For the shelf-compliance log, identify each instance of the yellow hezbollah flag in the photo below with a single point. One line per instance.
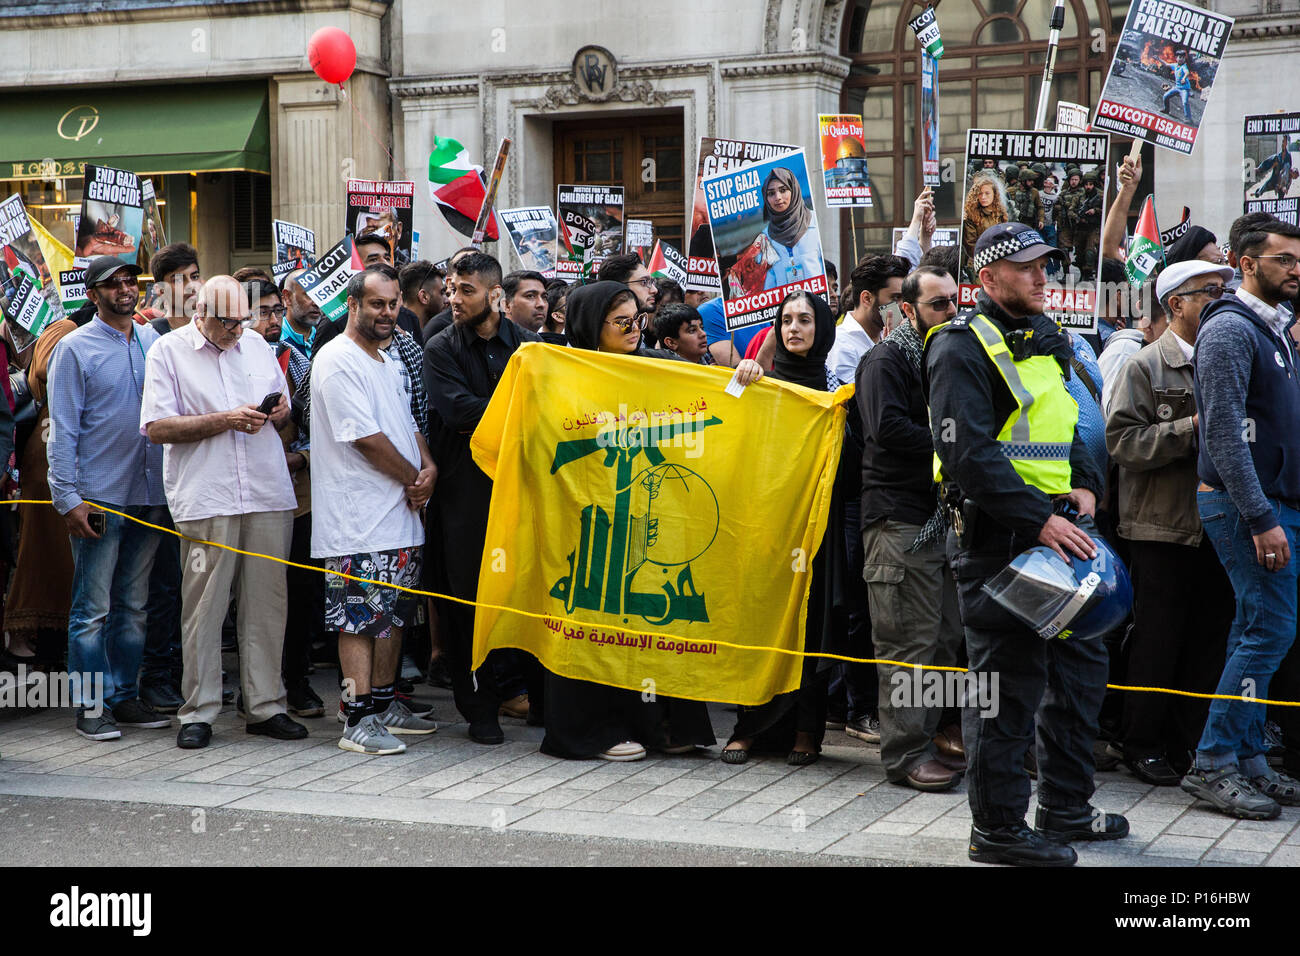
(647, 518)
(58, 257)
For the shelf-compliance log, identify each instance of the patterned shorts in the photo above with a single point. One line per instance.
(372, 610)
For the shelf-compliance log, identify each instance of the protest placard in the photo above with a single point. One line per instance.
(844, 160)
(941, 237)
(576, 233)
(1160, 78)
(716, 156)
(532, 231)
(667, 261)
(326, 283)
(1072, 293)
(383, 208)
(593, 214)
(295, 248)
(112, 209)
(152, 235)
(1273, 183)
(29, 299)
(765, 235)
(72, 288)
(929, 120)
(1071, 117)
(926, 27)
(1171, 235)
(640, 238)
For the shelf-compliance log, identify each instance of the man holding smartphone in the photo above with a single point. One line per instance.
(227, 482)
(96, 454)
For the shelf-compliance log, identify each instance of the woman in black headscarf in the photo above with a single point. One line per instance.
(795, 723)
(584, 719)
(792, 228)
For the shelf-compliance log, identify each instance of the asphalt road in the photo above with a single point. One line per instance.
(38, 831)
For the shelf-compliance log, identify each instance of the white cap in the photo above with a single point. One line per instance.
(1175, 275)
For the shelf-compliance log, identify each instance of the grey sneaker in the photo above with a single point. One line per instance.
(398, 719)
(370, 737)
(410, 670)
(137, 713)
(864, 728)
(1229, 791)
(102, 727)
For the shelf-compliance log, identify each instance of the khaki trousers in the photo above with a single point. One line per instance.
(914, 619)
(208, 577)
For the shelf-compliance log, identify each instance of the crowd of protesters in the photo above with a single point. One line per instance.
(237, 414)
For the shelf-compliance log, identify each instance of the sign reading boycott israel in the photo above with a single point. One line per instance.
(623, 498)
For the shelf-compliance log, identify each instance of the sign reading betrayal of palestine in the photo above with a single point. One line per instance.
(618, 507)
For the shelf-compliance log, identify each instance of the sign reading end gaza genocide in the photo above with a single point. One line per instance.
(1160, 78)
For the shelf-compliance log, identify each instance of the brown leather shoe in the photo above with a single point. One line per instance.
(955, 764)
(949, 742)
(516, 707)
(931, 776)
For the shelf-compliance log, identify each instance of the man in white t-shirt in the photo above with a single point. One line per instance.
(371, 475)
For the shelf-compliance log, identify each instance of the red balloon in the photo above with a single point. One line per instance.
(332, 54)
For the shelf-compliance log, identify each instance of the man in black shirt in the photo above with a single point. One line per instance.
(913, 599)
(442, 318)
(462, 365)
(422, 297)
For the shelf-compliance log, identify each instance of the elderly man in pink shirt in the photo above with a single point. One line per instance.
(227, 482)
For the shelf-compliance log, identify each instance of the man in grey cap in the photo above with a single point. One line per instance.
(1009, 458)
(97, 454)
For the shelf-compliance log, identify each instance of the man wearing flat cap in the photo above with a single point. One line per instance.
(1007, 444)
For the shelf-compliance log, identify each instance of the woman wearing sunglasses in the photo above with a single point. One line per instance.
(584, 719)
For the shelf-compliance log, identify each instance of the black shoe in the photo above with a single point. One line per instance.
(136, 713)
(486, 732)
(1017, 845)
(280, 727)
(162, 697)
(438, 674)
(1079, 823)
(304, 702)
(1153, 769)
(194, 736)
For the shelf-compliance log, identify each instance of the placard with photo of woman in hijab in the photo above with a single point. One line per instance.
(765, 236)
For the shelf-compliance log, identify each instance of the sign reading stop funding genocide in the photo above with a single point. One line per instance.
(766, 237)
(1161, 75)
(1070, 301)
(1270, 144)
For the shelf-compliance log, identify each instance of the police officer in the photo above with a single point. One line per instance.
(1009, 457)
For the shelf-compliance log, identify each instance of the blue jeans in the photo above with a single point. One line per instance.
(1262, 632)
(106, 622)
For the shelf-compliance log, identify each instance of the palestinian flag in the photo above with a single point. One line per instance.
(667, 263)
(1145, 253)
(458, 187)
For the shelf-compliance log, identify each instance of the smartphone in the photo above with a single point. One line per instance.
(98, 521)
(269, 403)
(892, 316)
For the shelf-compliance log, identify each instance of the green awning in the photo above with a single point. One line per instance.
(181, 128)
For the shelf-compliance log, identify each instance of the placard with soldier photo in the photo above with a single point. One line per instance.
(1008, 173)
(1271, 142)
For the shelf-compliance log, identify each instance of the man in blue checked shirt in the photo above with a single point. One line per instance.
(97, 454)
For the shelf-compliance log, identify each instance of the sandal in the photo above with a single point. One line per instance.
(737, 756)
(802, 758)
(1285, 790)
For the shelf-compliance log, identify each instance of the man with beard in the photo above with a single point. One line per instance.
(462, 365)
(97, 454)
(1006, 439)
(1248, 398)
(627, 268)
(302, 316)
(525, 293)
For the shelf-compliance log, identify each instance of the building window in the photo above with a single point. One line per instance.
(250, 213)
(989, 76)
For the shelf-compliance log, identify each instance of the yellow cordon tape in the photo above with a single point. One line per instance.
(674, 637)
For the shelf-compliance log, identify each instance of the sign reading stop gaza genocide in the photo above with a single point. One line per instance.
(765, 237)
(619, 516)
(716, 156)
(1270, 143)
(1161, 75)
(990, 200)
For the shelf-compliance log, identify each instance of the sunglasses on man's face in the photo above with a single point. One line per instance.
(637, 322)
(941, 303)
